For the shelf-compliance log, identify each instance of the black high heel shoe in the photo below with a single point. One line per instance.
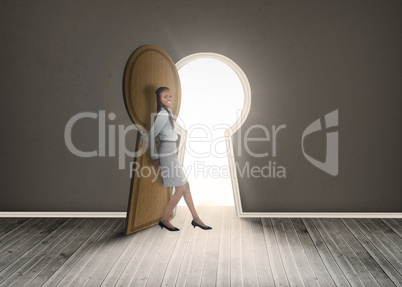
(161, 224)
(194, 223)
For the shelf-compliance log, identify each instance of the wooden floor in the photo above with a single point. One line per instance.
(236, 252)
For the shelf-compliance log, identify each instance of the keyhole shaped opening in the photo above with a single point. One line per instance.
(215, 100)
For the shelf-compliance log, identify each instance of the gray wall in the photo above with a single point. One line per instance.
(303, 59)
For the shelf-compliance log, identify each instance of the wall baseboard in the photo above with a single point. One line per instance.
(62, 214)
(248, 214)
(321, 215)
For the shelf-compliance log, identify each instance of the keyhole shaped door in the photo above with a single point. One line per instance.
(147, 68)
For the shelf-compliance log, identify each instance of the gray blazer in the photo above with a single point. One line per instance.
(161, 129)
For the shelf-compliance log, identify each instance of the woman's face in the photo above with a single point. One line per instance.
(166, 98)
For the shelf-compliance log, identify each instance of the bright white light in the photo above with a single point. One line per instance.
(212, 101)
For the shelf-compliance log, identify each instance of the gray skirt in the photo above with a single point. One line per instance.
(171, 170)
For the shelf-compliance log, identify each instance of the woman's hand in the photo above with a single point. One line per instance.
(156, 162)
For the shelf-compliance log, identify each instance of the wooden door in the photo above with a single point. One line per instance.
(147, 68)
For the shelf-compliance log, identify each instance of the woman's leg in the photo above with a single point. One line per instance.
(183, 190)
(189, 201)
(180, 190)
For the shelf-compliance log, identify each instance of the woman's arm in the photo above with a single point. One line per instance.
(156, 128)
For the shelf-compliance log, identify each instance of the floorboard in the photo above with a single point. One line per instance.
(276, 262)
(236, 252)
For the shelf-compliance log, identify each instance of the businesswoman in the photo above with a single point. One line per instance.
(172, 173)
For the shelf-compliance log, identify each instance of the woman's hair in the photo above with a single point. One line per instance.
(160, 105)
